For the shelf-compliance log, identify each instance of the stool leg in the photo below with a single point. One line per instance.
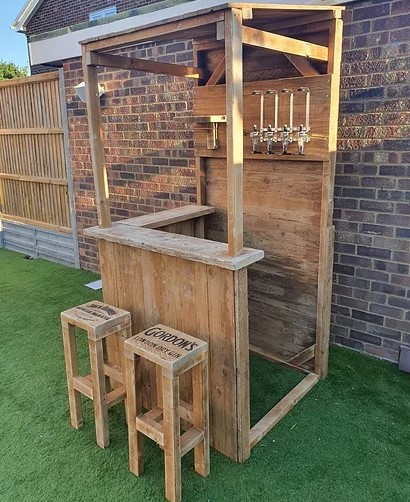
(132, 375)
(200, 417)
(172, 447)
(71, 364)
(99, 392)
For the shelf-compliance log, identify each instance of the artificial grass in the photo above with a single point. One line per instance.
(347, 440)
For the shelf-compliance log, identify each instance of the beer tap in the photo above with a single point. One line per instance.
(257, 135)
(304, 129)
(286, 130)
(271, 134)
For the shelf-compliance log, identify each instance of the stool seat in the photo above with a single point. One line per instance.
(168, 348)
(99, 320)
(174, 353)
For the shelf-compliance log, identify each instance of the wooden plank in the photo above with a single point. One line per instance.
(304, 356)
(189, 440)
(16, 82)
(242, 362)
(200, 417)
(273, 357)
(234, 129)
(217, 74)
(280, 43)
(316, 18)
(169, 217)
(102, 198)
(35, 130)
(172, 443)
(71, 364)
(283, 7)
(33, 179)
(326, 228)
(181, 246)
(303, 65)
(145, 65)
(276, 414)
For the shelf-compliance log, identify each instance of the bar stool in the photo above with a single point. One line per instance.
(174, 353)
(100, 321)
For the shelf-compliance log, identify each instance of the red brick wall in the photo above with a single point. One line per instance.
(149, 156)
(371, 291)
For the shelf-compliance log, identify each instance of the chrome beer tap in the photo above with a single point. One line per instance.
(257, 135)
(304, 129)
(271, 134)
(286, 130)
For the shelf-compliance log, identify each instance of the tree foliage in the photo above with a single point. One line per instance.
(11, 70)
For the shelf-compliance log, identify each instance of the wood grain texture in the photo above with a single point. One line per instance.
(234, 129)
(320, 89)
(192, 297)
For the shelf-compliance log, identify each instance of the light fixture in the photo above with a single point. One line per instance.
(80, 91)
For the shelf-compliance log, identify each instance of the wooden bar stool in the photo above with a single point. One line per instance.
(174, 353)
(100, 321)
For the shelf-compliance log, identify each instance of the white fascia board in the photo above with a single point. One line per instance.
(25, 15)
(67, 46)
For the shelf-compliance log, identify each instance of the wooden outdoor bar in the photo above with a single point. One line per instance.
(249, 267)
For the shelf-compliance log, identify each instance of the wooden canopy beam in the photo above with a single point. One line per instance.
(218, 73)
(303, 65)
(126, 63)
(286, 45)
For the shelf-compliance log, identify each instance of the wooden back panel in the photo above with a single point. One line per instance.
(282, 207)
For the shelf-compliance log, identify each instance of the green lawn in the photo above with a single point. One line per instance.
(348, 440)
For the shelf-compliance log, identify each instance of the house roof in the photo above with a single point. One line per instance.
(31, 7)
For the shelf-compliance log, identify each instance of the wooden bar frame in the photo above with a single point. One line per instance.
(230, 24)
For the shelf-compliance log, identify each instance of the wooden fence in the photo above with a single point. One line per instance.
(33, 176)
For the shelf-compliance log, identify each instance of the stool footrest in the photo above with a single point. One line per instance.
(150, 428)
(84, 385)
(190, 439)
(116, 396)
(113, 372)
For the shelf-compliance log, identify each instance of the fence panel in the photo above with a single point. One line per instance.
(33, 176)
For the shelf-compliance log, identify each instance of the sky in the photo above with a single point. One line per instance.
(13, 46)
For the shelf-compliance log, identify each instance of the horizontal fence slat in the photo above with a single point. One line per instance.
(34, 179)
(43, 77)
(34, 130)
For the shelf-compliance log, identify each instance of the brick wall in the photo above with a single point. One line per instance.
(371, 291)
(150, 156)
(55, 14)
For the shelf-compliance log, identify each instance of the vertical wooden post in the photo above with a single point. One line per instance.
(234, 129)
(97, 143)
(326, 228)
(240, 279)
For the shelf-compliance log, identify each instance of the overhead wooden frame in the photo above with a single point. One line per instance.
(237, 25)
